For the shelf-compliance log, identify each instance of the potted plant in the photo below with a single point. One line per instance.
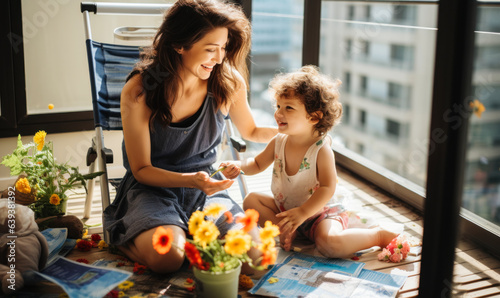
(43, 182)
(217, 261)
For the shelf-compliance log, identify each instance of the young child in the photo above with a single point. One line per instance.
(304, 176)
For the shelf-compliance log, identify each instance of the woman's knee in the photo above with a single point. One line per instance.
(166, 263)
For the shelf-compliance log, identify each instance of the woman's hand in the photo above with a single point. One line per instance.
(231, 169)
(208, 185)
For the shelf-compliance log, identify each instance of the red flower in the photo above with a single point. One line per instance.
(193, 255)
(249, 220)
(162, 240)
(82, 261)
(84, 245)
(139, 269)
(96, 238)
(113, 294)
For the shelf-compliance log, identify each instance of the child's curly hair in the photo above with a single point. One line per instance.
(317, 92)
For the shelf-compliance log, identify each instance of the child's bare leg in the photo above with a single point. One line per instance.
(334, 242)
(263, 204)
(267, 209)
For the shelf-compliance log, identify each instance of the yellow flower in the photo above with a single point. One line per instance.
(206, 233)
(267, 246)
(121, 294)
(126, 285)
(55, 200)
(237, 242)
(269, 231)
(22, 185)
(102, 244)
(214, 209)
(39, 139)
(477, 107)
(195, 221)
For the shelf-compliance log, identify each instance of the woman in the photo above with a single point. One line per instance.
(173, 108)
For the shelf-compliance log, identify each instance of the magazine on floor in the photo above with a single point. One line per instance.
(310, 276)
(80, 280)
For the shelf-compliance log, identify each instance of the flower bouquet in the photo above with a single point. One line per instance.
(208, 253)
(396, 251)
(43, 180)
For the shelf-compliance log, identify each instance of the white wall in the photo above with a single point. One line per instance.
(55, 52)
(68, 147)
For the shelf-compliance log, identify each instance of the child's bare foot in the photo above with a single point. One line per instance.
(385, 237)
(287, 239)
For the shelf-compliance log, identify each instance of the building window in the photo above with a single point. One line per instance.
(393, 128)
(363, 87)
(362, 118)
(365, 47)
(360, 148)
(346, 113)
(397, 52)
(367, 12)
(350, 12)
(348, 47)
(347, 81)
(404, 14)
(395, 90)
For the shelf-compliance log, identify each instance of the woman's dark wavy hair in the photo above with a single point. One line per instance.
(185, 23)
(316, 91)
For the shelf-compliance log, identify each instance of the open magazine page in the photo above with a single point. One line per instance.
(340, 266)
(80, 280)
(55, 240)
(308, 276)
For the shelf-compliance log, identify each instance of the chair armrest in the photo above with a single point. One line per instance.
(238, 144)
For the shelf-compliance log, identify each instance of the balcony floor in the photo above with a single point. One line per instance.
(477, 273)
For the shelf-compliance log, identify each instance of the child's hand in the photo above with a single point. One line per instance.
(231, 169)
(291, 220)
(208, 185)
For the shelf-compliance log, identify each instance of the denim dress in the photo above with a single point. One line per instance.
(138, 207)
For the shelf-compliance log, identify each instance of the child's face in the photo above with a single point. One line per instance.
(292, 118)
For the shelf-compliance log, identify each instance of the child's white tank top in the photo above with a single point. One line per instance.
(292, 191)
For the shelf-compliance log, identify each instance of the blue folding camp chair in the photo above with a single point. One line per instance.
(109, 65)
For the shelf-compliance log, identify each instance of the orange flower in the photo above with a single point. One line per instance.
(162, 240)
(229, 217)
(249, 220)
(54, 199)
(268, 258)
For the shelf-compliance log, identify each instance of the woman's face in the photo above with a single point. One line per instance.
(205, 54)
